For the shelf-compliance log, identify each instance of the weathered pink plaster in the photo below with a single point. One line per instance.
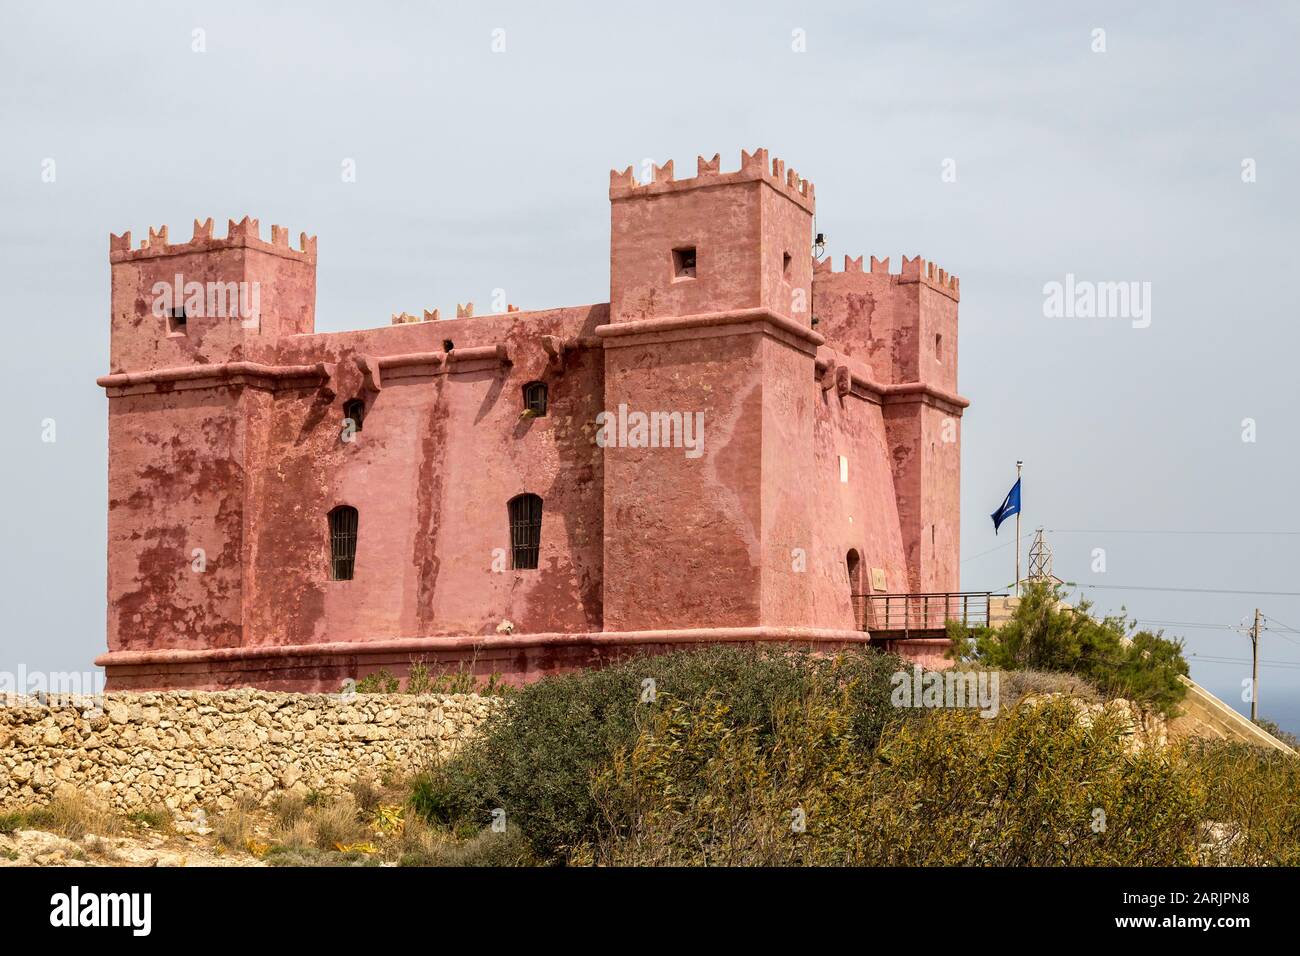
(224, 443)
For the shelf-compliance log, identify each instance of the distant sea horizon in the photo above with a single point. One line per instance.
(1282, 707)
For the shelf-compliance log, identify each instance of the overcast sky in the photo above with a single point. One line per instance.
(478, 169)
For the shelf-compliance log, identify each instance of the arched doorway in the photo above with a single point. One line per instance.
(853, 563)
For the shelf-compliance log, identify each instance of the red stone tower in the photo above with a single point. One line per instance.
(741, 445)
(901, 330)
(710, 291)
(194, 325)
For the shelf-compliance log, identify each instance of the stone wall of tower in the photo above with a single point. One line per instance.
(182, 449)
(827, 466)
(442, 450)
(225, 437)
(731, 342)
(901, 329)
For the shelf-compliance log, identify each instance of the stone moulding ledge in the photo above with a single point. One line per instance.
(225, 373)
(496, 354)
(415, 364)
(704, 635)
(919, 391)
(897, 394)
(732, 321)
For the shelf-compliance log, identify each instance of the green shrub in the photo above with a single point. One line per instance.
(1252, 803)
(418, 678)
(1044, 635)
(1271, 727)
(1033, 787)
(444, 794)
(152, 818)
(421, 680)
(381, 681)
(536, 758)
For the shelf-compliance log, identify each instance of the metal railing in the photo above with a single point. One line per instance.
(931, 612)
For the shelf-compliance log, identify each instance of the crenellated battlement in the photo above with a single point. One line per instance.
(754, 166)
(914, 269)
(462, 312)
(246, 233)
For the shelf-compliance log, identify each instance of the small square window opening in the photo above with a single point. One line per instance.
(684, 263)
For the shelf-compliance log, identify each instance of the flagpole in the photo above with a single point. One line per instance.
(1018, 465)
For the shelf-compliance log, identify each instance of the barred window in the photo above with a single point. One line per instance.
(535, 398)
(355, 410)
(525, 530)
(343, 542)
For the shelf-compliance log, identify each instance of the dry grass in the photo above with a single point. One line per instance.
(234, 828)
(298, 835)
(372, 824)
(75, 815)
(288, 809)
(1015, 686)
(320, 826)
(367, 794)
(416, 839)
(337, 824)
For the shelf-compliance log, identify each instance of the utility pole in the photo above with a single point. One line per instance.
(1018, 466)
(1254, 669)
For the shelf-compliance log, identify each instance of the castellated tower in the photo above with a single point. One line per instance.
(901, 330)
(710, 296)
(193, 326)
(741, 445)
(240, 294)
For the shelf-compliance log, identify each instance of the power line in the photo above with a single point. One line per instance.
(1166, 531)
(1204, 627)
(1285, 627)
(1134, 587)
(1008, 544)
(1217, 627)
(1005, 544)
(1281, 630)
(1285, 665)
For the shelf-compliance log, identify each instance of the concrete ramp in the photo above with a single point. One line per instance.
(1201, 714)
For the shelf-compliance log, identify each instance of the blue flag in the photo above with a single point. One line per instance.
(1009, 507)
